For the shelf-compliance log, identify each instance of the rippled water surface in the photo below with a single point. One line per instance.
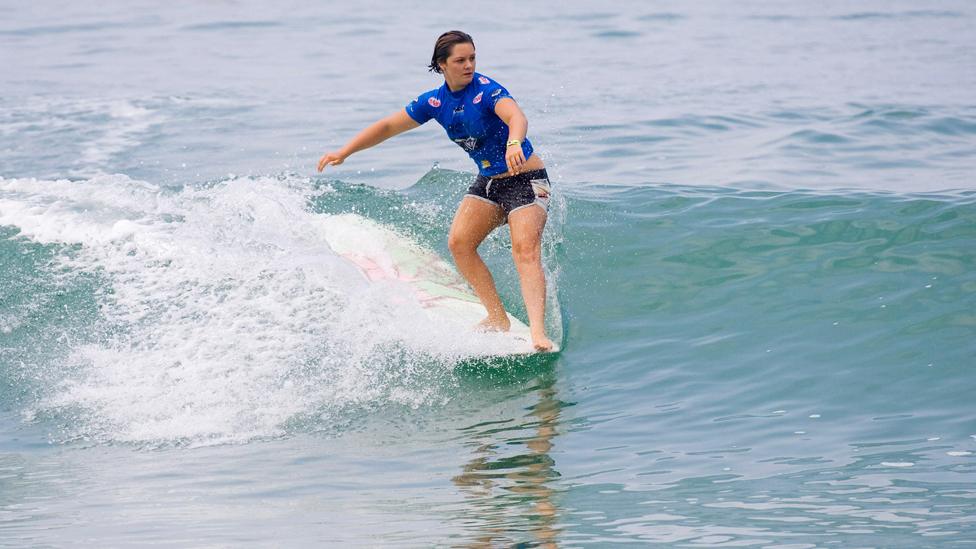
(763, 245)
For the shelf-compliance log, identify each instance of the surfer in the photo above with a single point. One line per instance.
(512, 185)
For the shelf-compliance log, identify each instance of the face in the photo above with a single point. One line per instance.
(458, 69)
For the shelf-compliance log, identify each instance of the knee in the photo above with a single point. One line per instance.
(460, 245)
(524, 253)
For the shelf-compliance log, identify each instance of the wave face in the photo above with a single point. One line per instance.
(153, 306)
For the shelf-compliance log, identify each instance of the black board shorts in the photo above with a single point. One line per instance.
(514, 192)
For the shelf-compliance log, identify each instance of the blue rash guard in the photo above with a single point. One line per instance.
(469, 117)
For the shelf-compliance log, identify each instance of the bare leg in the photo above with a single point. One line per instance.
(474, 220)
(526, 224)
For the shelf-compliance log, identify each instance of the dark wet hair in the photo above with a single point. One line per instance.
(442, 48)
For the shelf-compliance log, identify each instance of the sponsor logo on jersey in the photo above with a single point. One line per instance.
(477, 98)
(483, 80)
(468, 144)
(434, 102)
(496, 92)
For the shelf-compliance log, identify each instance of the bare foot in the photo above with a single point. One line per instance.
(542, 343)
(494, 324)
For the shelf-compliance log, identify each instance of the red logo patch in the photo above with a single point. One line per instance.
(477, 98)
(434, 102)
(483, 80)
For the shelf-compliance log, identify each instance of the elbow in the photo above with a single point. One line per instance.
(388, 129)
(384, 129)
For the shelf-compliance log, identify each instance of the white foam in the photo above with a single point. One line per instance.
(229, 315)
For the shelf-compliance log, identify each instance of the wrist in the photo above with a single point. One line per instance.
(513, 143)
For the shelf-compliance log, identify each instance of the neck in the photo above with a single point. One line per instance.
(452, 85)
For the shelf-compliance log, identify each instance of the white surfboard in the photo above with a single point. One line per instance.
(381, 255)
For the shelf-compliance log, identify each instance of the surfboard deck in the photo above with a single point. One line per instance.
(382, 254)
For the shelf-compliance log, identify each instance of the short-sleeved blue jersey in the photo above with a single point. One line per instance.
(469, 117)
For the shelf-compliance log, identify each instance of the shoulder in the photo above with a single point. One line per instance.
(426, 105)
(490, 90)
(486, 82)
(431, 96)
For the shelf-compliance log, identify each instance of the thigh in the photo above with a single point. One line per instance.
(526, 224)
(474, 220)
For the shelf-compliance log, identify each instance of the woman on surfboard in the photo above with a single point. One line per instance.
(511, 187)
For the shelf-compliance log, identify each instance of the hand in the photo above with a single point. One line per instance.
(330, 159)
(514, 159)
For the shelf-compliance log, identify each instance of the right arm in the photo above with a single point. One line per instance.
(374, 134)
